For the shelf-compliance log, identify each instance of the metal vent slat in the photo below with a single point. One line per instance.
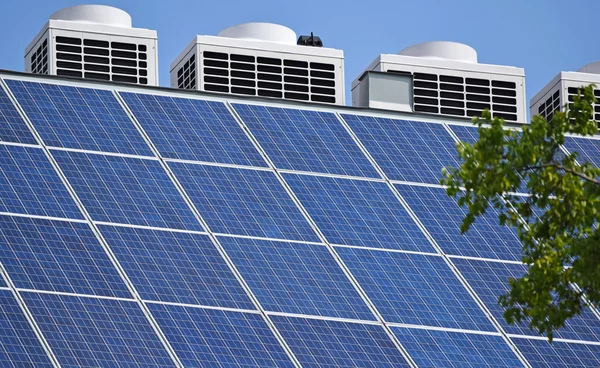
(263, 76)
(101, 59)
(458, 96)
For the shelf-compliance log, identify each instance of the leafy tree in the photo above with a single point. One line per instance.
(557, 222)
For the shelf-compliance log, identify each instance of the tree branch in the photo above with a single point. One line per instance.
(560, 167)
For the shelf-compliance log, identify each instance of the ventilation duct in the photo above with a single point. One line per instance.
(261, 59)
(94, 42)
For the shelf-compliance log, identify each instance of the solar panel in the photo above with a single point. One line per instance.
(57, 256)
(490, 280)
(74, 117)
(406, 150)
(442, 218)
(175, 267)
(414, 289)
(12, 126)
(19, 346)
(469, 134)
(323, 343)
(30, 185)
(305, 140)
(296, 278)
(588, 149)
(84, 332)
(207, 337)
(540, 353)
(126, 190)
(193, 129)
(358, 212)
(434, 348)
(243, 202)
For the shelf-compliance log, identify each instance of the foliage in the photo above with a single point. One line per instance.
(557, 223)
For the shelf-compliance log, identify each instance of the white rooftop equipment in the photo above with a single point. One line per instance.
(442, 78)
(563, 88)
(262, 59)
(94, 42)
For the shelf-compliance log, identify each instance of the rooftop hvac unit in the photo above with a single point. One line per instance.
(94, 42)
(563, 88)
(262, 59)
(441, 78)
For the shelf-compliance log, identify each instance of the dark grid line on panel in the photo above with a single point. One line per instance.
(195, 130)
(243, 201)
(89, 331)
(405, 150)
(442, 217)
(359, 213)
(12, 127)
(337, 258)
(126, 190)
(490, 280)
(296, 278)
(57, 256)
(39, 336)
(431, 239)
(304, 140)
(436, 348)
(95, 230)
(211, 337)
(587, 148)
(327, 343)
(558, 354)
(213, 238)
(175, 267)
(415, 289)
(30, 185)
(78, 117)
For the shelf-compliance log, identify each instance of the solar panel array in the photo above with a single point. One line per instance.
(164, 230)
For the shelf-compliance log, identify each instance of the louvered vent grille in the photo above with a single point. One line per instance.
(98, 59)
(186, 75)
(458, 96)
(270, 77)
(573, 91)
(39, 59)
(550, 106)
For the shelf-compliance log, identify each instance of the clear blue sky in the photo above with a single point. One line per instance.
(542, 36)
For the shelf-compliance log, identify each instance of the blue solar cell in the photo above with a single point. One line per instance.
(296, 278)
(469, 134)
(12, 126)
(321, 343)
(243, 202)
(91, 332)
(431, 348)
(19, 346)
(29, 184)
(406, 150)
(175, 267)
(588, 149)
(540, 353)
(206, 337)
(305, 140)
(57, 256)
(490, 280)
(442, 218)
(126, 190)
(414, 289)
(358, 212)
(193, 129)
(74, 117)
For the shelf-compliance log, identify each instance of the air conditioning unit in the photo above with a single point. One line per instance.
(262, 59)
(563, 88)
(94, 42)
(442, 78)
